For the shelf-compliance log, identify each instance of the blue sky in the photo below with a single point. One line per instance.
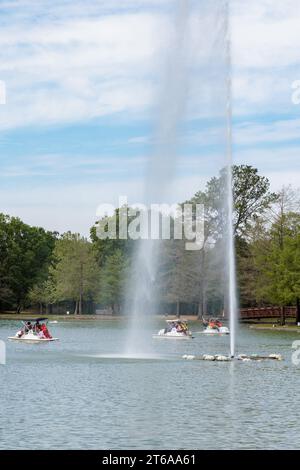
(83, 86)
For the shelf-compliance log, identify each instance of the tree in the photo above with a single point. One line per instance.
(107, 246)
(278, 260)
(25, 255)
(176, 274)
(43, 293)
(76, 273)
(183, 274)
(112, 280)
(287, 202)
(252, 198)
(266, 231)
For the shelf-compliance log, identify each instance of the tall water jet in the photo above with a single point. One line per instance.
(141, 300)
(232, 298)
(197, 83)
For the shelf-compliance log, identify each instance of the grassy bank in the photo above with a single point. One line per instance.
(26, 316)
(269, 327)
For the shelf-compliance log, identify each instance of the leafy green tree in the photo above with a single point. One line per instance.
(113, 280)
(43, 293)
(76, 273)
(104, 247)
(277, 259)
(25, 255)
(259, 253)
(251, 196)
(177, 274)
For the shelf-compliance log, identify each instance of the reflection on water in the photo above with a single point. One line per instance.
(82, 393)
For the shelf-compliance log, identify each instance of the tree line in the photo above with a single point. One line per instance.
(46, 269)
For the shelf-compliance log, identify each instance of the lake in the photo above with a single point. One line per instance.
(80, 393)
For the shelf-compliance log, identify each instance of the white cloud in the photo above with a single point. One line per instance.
(63, 68)
(253, 133)
(69, 70)
(76, 63)
(265, 39)
(265, 45)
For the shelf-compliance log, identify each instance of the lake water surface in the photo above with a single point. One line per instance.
(79, 393)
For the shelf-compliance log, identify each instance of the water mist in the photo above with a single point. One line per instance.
(232, 302)
(142, 290)
(196, 86)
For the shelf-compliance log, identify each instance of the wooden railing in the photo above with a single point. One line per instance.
(267, 312)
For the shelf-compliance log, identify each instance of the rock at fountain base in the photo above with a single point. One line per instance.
(207, 357)
(256, 357)
(241, 357)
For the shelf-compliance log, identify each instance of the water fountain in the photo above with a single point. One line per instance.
(172, 98)
(232, 307)
(173, 101)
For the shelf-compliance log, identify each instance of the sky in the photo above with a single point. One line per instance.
(86, 83)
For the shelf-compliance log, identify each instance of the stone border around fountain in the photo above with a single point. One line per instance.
(240, 357)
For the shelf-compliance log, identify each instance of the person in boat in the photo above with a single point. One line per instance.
(45, 331)
(38, 330)
(185, 327)
(212, 324)
(181, 328)
(37, 327)
(28, 326)
(41, 334)
(21, 333)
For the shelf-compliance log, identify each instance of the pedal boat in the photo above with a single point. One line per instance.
(30, 336)
(176, 329)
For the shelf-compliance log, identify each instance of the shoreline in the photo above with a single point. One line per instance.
(289, 328)
(72, 317)
(89, 318)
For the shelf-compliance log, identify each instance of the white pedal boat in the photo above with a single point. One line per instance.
(176, 329)
(222, 330)
(30, 333)
(31, 338)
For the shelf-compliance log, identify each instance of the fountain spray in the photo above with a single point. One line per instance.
(231, 268)
(141, 301)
